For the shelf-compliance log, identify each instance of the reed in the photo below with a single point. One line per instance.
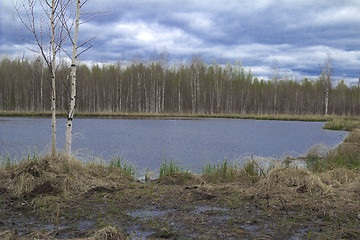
(124, 167)
(171, 167)
(222, 172)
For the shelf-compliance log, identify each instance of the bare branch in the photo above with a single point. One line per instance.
(83, 3)
(86, 42)
(95, 15)
(84, 50)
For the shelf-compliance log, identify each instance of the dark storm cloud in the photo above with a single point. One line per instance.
(298, 34)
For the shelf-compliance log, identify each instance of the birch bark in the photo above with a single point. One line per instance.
(53, 90)
(73, 85)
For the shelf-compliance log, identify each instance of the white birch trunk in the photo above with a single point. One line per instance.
(73, 85)
(326, 100)
(53, 92)
(41, 90)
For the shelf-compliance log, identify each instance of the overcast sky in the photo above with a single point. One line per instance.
(297, 33)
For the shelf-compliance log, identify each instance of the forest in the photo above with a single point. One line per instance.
(156, 87)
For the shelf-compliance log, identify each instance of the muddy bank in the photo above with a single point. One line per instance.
(62, 199)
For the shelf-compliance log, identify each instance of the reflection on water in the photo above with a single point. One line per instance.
(147, 142)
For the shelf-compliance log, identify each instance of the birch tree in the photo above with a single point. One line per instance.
(73, 83)
(74, 55)
(328, 74)
(275, 77)
(48, 35)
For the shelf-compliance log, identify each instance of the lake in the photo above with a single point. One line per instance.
(147, 142)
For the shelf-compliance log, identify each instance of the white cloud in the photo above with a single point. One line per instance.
(296, 33)
(196, 20)
(345, 15)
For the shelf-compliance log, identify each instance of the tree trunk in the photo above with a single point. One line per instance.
(73, 85)
(53, 69)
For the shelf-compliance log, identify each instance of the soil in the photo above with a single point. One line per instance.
(62, 199)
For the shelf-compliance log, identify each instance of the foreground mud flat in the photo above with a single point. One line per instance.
(61, 199)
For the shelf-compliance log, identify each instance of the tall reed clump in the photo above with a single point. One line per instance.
(251, 168)
(222, 172)
(122, 166)
(169, 168)
(5, 162)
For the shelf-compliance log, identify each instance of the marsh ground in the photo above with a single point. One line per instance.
(65, 200)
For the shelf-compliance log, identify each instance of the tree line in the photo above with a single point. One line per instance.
(156, 87)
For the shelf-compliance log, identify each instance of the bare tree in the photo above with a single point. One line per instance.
(73, 83)
(74, 41)
(328, 74)
(275, 78)
(48, 37)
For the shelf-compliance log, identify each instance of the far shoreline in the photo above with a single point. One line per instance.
(333, 122)
(60, 114)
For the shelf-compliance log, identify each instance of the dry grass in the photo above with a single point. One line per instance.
(58, 176)
(287, 180)
(105, 233)
(105, 195)
(345, 155)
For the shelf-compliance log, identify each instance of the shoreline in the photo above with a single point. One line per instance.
(281, 117)
(333, 122)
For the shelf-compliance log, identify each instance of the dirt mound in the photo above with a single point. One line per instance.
(59, 176)
(245, 179)
(238, 177)
(180, 178)
(287, 180)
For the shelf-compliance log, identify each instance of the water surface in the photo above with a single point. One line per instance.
(147, 142)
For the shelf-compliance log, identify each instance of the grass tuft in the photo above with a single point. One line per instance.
(222, 172)
(251, 168)
(125, 168)
(169, 168)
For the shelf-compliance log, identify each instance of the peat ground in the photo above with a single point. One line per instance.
(62, 199)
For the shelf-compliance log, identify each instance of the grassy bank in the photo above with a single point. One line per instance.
(314, 118)
(74, 200)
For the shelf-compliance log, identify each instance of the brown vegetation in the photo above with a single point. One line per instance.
(96, 202)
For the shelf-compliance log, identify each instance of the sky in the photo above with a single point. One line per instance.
(298, 34)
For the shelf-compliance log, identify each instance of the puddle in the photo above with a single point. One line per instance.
(208, 210)
(135, 233)
(134, 229)
(250, 227)
(147, 213)
(299, 234)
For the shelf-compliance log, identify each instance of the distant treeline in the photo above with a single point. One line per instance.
(155, 87)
